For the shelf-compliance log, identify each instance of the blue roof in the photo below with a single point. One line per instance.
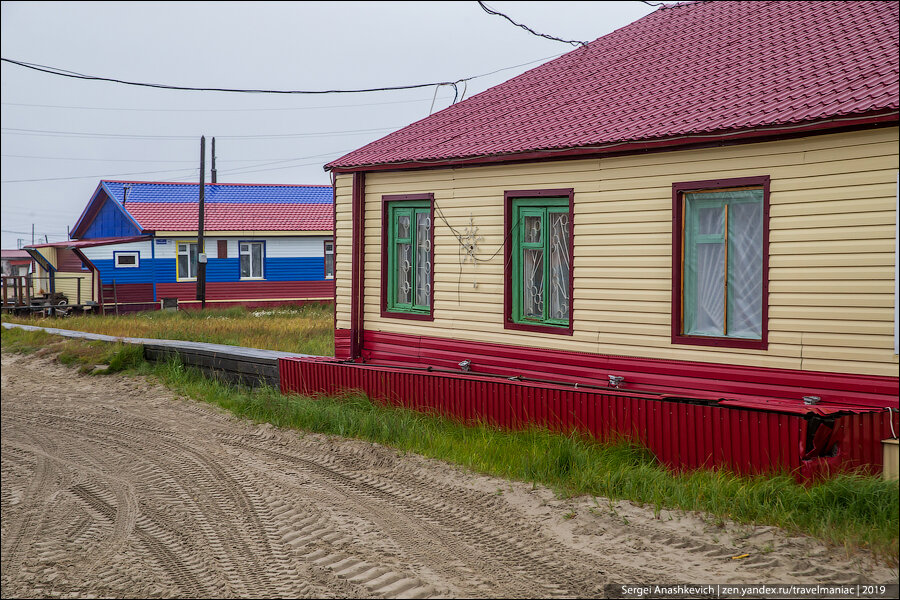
(140, 191)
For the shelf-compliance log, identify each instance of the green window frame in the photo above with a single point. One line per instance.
(724, 259)
(541, 262)
(409, 257)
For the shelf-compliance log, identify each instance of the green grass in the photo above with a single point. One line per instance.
(852, 511)
(307, 329)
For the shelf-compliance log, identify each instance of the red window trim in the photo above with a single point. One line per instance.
(678, 190)
(385, 238)
(508, 197)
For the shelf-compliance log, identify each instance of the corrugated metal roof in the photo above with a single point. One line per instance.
(15, 254)
(163, 206)
(232, 216)
(158, 192)
(695, 68)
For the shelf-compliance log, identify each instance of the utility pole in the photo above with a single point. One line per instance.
(201, 254)
(213, 173)
(32, 234)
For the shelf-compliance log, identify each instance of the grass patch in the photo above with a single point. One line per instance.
(306, 329)
(850, 511)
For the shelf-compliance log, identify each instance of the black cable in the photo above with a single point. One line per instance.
(528, 29)
(74, 75)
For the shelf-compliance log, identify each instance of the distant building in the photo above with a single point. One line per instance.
(135, 245)
(15, 262)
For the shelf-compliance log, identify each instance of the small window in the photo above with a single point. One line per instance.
(252, 255)
(540, 263)
(127, 259)
(329, 259)
(186, 261)
(408, 265)
(721, 240)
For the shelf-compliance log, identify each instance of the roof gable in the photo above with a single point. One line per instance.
(104, 217)
(691, 69)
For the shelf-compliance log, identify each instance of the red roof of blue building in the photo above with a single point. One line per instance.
(714, 69)
(165, 206)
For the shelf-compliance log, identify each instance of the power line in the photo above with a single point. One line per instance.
(207, 110)
(75, 75)
(87, 134)
(528, 29)
(190, 162)
(105, 176)
(131, 160)
(235, 171)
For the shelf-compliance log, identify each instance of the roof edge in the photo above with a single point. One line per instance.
(864, 121)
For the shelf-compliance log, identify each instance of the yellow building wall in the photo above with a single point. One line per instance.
(67, 283)
(831, 250)
(41, 278)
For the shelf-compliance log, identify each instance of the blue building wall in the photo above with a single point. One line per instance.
(110, 222)
(226, 270)
(142, 274)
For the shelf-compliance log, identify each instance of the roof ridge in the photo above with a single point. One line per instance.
(197, 183)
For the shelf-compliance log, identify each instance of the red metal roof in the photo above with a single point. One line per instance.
(233, 216)
(14, 254)
(690, 69)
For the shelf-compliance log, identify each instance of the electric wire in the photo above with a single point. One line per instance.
(528, 29)
(208, 110)
(267, 136)
(75, 75)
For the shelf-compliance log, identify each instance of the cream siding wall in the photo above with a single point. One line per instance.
(67, 283)
(831, 266)
(343, 236)
(41, 278)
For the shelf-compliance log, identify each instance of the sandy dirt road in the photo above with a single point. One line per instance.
(112, 486)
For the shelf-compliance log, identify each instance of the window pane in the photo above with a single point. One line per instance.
(533, 283)
(404, 274)
(423, 259)
(711, 220)
(745, 276)
(245, 265)
(559, 266)
(532, 230)
(256, 255)
(329, 265)
(183, 266)
(192, 266)
(709, 295)
(403, 226)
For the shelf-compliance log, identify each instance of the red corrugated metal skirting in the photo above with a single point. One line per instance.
(682, 434)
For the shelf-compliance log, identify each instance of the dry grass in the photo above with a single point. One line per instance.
(307, 329)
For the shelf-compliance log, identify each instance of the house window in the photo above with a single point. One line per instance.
(252, 255)
(407, 282)
(541, 262)
(721, 239)
(186, 260)
(329, 259)
(126, 259)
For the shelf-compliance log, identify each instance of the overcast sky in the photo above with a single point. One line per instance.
(60, 136)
